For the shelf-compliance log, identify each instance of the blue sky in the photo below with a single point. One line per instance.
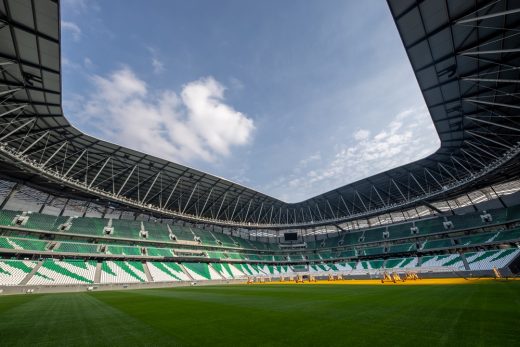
(292, 98)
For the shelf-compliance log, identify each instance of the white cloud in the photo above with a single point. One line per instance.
(73, 28)
(196, 124)
(406, 138)
(361, 134)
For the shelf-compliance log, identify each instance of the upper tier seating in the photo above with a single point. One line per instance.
(7, 217)
(73, 247)
(88, 226)
(126, 250)
(41, 221)
(185, 233)
(371, 251)
(126, 228)
(435, 244)
(430, 226)
(513, 213)
(159, 252)
(478, 238)
(373, 235)
(403, 247)
(226, 240)
(399, 231)
(508, 235)
(25, 243)
(157, 231)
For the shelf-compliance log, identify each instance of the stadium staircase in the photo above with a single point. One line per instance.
(147, 272)
(465, 261)
(31, 274)
(97, 275)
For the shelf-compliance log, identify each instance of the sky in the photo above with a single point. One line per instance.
(291, 98)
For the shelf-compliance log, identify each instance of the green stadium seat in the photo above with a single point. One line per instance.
(88, 226)
(437, 244)
(7, 216)
(77, 247)
(123, 250)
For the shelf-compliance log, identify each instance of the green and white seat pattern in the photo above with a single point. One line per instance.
(122, 272)
(228, 271)
(26, 244)
(486, 260)
(166, 272)
(201, 271)
(369, 265)
(64, 272)
(12, 272)
(159, 252)
(268, 270)
(123, 250)
(251, 269)
(478, 238)
(247, 269)
(72, 247)
(402, 263)
(452, 261)
(346, 266)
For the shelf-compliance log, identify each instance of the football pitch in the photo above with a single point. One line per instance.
(477, 314)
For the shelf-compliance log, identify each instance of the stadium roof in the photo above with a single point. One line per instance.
(465, 55)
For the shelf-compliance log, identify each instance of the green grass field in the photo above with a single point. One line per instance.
(479, 314)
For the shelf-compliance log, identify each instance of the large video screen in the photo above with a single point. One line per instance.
(290, 236)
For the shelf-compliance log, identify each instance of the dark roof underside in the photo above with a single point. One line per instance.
(465, 55)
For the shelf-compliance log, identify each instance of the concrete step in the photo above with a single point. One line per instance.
(97, 275)
(147, 272)
(31, 274)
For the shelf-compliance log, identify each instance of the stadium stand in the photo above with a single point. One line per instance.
(73, 247)
(167, 272)
(159, 252)
(88, 226)
(487, 260)
(124, 250)
(201, 271)
(122, 272)
(13, 272)
(450, 260)
(53, 272)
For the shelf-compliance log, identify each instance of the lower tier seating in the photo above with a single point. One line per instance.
(228, 271)
(202, 271)
(401, 263)
(13, 272)
(487, 260)
(453, 261)
(122, 272)
(79, 271)
(53, 272)
(166, 272)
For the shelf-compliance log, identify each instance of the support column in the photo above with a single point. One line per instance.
(10, 195)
